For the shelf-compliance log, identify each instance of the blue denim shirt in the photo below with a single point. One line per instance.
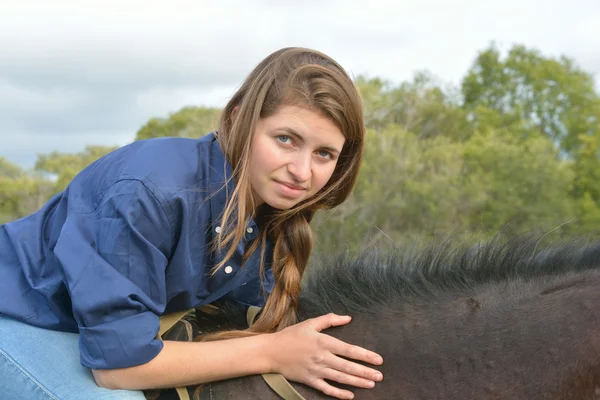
(128, 240)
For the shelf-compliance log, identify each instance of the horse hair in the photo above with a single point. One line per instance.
(371, 279)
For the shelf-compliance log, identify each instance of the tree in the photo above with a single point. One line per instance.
(586, 187)
(21, 192)
(514, 181)
(9, 170)
(406, 186)
(187, 122)
(63, 167)
(421, 106)
(533, 95)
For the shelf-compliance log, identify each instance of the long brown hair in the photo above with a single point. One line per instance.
(299, 77)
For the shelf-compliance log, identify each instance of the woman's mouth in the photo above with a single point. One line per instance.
(289, 189)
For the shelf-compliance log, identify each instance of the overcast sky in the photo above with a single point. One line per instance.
(93, 72)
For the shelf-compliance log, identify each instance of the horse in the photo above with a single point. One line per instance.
(504, 319)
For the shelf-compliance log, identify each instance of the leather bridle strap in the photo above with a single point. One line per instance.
(282, 387)
(277, 382)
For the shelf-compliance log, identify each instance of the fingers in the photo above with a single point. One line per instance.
(327, 321)
(360, 374)
(332, 391)
(342, 371)
(348, 378)
(335, 359)
(353, 352)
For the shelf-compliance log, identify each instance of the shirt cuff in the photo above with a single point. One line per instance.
(120, 343)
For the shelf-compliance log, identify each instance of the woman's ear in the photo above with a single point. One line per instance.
(234, 111)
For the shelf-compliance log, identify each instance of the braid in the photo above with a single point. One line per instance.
(293, 245)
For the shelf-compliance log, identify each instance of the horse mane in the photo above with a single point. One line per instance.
(371, 279)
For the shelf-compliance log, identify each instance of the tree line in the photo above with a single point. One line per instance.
(513, 146)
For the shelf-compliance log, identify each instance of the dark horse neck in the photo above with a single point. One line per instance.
(508, 340)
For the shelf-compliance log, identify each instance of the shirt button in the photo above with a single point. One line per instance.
(228, 269)
(218, 229)
(249, 229)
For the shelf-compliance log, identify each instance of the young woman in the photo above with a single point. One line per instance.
(169, 224)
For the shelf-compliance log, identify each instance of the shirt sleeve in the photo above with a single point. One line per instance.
(113, 261)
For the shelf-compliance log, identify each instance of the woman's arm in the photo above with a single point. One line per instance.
(190, 363)
(300, 353)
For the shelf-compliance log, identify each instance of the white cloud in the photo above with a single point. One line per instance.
(15, 98)
(78, 68)
(158, 99)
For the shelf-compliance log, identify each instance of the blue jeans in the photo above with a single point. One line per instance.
(38, 364)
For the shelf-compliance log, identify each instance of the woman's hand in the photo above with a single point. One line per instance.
(303, 354)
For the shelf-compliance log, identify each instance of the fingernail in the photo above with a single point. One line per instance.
(379, 360)
(378, 377)
(370, 384)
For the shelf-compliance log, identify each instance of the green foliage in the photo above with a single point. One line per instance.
(188, 122)
(421, 106)
(587, 167)
(534, 95)
(588, 214)
(20, 193)
(521, 182)
(65, 166)
(9, 170)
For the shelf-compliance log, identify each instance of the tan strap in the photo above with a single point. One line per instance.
(166, 322)
(277, 382)
(282, 387)
(251, 314)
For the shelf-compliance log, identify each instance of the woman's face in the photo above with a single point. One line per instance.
(294, 153)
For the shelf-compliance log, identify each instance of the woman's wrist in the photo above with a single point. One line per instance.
(267, 353)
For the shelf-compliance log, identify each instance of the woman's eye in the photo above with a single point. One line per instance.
(324, 154)
(283, 138)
